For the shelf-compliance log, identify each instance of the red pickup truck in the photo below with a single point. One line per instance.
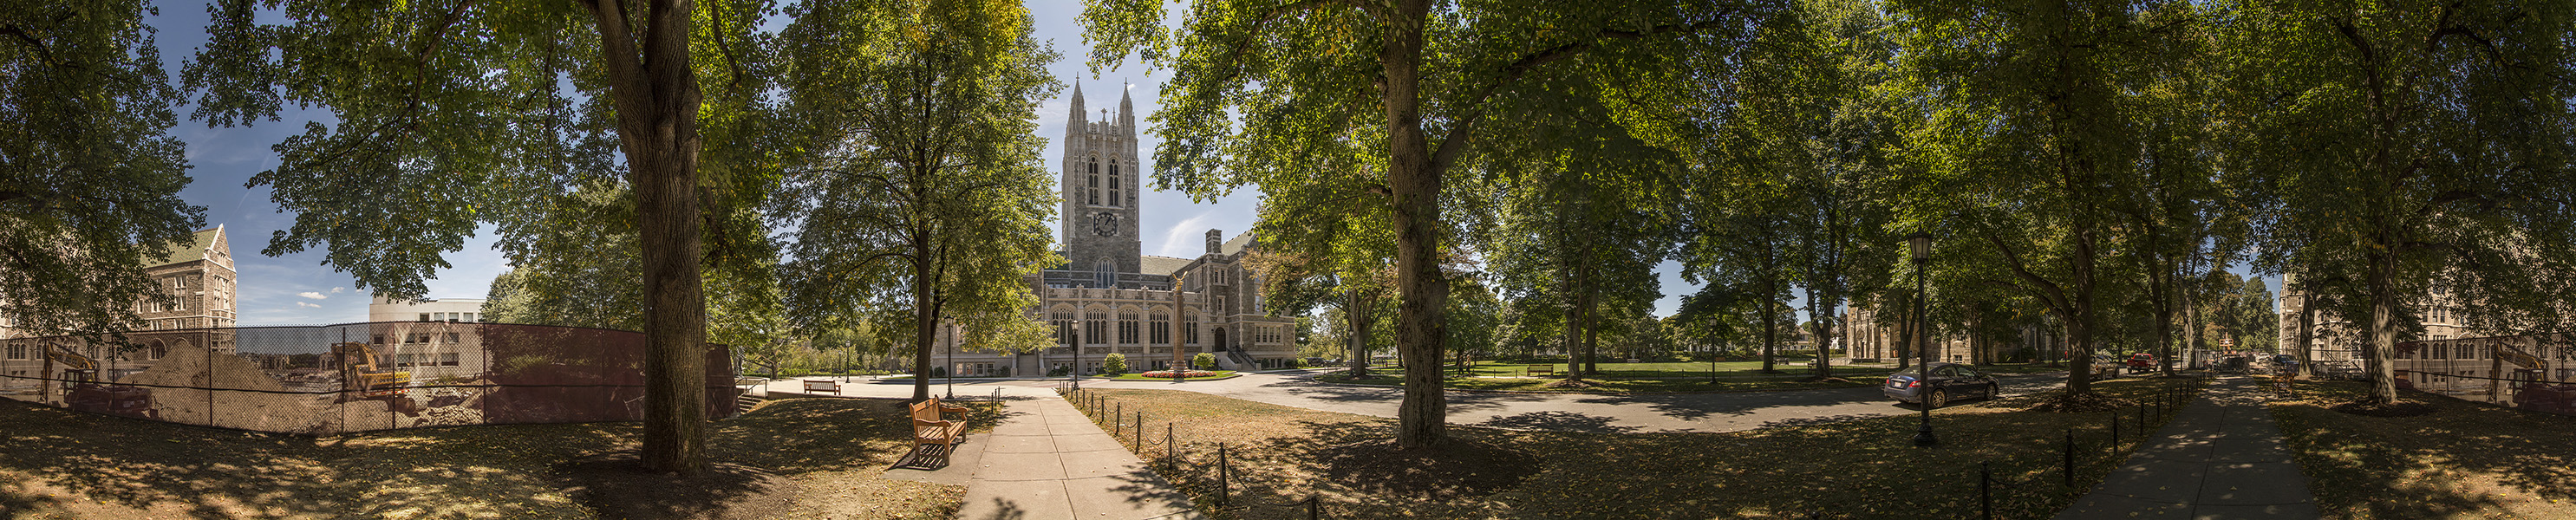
(2141, 362)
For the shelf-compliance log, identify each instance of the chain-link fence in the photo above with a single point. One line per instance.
(332, 379)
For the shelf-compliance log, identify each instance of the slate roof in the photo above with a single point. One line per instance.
(1161, 265)
(196, 251)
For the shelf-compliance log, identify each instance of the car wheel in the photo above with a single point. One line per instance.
(1938, 399)
(1994, 390)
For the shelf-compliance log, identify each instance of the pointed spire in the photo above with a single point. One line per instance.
(1073, 126)
(1126, 109)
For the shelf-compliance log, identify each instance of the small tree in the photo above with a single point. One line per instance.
(1113, 365)
(1203, 361)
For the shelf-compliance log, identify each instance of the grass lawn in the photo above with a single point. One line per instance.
(2466, 460)
(1864, 468)
(56, 463)
(1731, 377)
(1724, 369)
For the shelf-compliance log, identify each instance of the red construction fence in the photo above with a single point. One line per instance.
(332, 379)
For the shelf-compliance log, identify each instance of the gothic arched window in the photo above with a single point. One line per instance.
(1113, 183)
(1093, 194)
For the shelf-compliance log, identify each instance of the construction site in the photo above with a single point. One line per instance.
(348, 378)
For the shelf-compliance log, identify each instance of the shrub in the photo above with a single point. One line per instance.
(796, 372)
(938, 371)
(1059, 371)
(1002, 372)
(1203, 361)
(1298, 362)
(1115, 364)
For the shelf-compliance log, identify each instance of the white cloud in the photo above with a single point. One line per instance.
(336, 290)
(314, 295)
(1176, 241)
(307, 305)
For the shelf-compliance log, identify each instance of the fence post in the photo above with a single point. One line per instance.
(1169, 446)
(2142, 424)
(1140, 431)
(1312, 511)
(1115, 416)
(1224, 478)
(2070, 457)
(1985, 491)
(2115, 429)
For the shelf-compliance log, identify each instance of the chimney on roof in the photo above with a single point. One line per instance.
(1215, 241)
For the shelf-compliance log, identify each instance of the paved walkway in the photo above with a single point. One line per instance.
(2221, 458)
(1678, 412)
(1043, 461)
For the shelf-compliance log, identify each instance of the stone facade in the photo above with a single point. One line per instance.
(1112, 298)
(202, 279)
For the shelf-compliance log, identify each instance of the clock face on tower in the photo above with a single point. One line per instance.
(1104, 224)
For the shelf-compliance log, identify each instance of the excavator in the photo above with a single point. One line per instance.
(362, 378)
(82, 391)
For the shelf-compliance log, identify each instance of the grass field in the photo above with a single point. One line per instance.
(1852, 469)
(56, 463)
(1662, 377)
(2466, 460)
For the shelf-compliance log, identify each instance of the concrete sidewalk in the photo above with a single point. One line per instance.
(2221, 458)
(1047, 461)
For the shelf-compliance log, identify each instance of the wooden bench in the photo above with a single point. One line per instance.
(1540, 370)
(823, 386)
(929, 425)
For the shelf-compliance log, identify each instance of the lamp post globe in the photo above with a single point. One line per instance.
(1922, 249)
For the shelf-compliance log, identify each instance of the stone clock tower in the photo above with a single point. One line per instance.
(1101, 176)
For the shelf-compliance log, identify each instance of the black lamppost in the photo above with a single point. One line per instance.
(1076, 335)
(1922, 243)
(952, 363)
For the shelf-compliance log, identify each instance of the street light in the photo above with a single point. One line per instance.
(1922, 243)
(952, 362)
(1076, 336)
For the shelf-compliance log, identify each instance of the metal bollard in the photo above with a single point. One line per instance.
(1313, 512)
(2070, 457)
(1986, 491)
(1140, 431)
(1168, 446)
(2115, 429)
(1114, 415)
(1224, 478)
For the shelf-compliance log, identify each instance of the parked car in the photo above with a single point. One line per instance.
(2142, 362)
(1949, 381)
(2106, 366)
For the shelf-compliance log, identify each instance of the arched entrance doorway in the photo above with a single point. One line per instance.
(1220, 339)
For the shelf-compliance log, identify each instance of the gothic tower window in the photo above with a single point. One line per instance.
(1113, 183)
(1190, 328)
(1093, 194)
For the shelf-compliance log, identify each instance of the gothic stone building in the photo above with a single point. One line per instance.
(1111, 298)
(200, 275)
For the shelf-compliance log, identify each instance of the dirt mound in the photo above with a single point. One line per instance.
(2396, 409)
(195, 367)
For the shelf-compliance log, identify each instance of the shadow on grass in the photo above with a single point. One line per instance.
(2466, 459)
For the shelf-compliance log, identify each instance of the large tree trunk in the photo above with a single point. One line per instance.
(1415, 182)
(925, 323)
(2383, 327)
(1824, 334)
(1770, 327)
(656, 97)
(1355, 317)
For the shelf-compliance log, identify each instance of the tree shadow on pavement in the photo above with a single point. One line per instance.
(1561, 421)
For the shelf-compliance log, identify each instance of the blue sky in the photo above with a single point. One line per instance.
(299, 289)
